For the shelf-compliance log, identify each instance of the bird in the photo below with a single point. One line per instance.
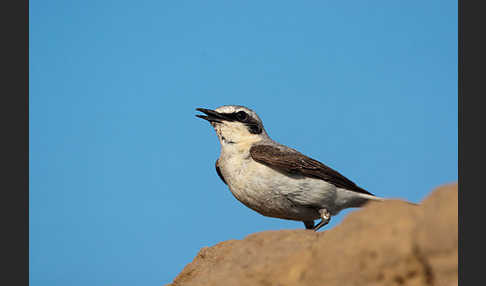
(273, 179)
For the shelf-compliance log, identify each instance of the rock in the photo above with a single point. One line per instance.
(383, 243)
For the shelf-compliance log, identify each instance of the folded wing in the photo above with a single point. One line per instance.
(292, 162)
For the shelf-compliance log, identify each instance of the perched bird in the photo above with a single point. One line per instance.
(273, 179)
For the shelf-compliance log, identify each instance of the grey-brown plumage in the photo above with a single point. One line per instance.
(273, 179)
(293, 162)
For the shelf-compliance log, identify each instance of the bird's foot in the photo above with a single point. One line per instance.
(325, 219)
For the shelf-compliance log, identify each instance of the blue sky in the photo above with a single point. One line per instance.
(123, 189)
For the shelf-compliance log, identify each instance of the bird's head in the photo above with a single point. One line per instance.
(234, 124)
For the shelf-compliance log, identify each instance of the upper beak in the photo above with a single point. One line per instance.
(211, 115)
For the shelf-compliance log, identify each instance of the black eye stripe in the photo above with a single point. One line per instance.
(237, 116)
(254, 128)
(241, 116)
(253, 125)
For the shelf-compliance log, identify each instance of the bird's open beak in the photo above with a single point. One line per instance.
(211, 115)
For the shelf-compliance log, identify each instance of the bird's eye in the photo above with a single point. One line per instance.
(241, 116)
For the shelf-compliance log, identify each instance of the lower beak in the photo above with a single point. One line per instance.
(211, 115)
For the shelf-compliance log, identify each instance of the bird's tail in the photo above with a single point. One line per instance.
(379, 199)
(372, 198)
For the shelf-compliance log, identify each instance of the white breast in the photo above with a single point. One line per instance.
(270, 192)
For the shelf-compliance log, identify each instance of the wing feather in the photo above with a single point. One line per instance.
(293, 162)
(219, 172)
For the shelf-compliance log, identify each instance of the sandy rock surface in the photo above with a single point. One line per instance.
(389, 243)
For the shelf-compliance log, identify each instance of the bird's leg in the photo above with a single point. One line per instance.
(309, 224)
(325, 219)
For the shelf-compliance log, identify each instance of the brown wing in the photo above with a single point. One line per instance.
(219, 173)
(294, 162)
